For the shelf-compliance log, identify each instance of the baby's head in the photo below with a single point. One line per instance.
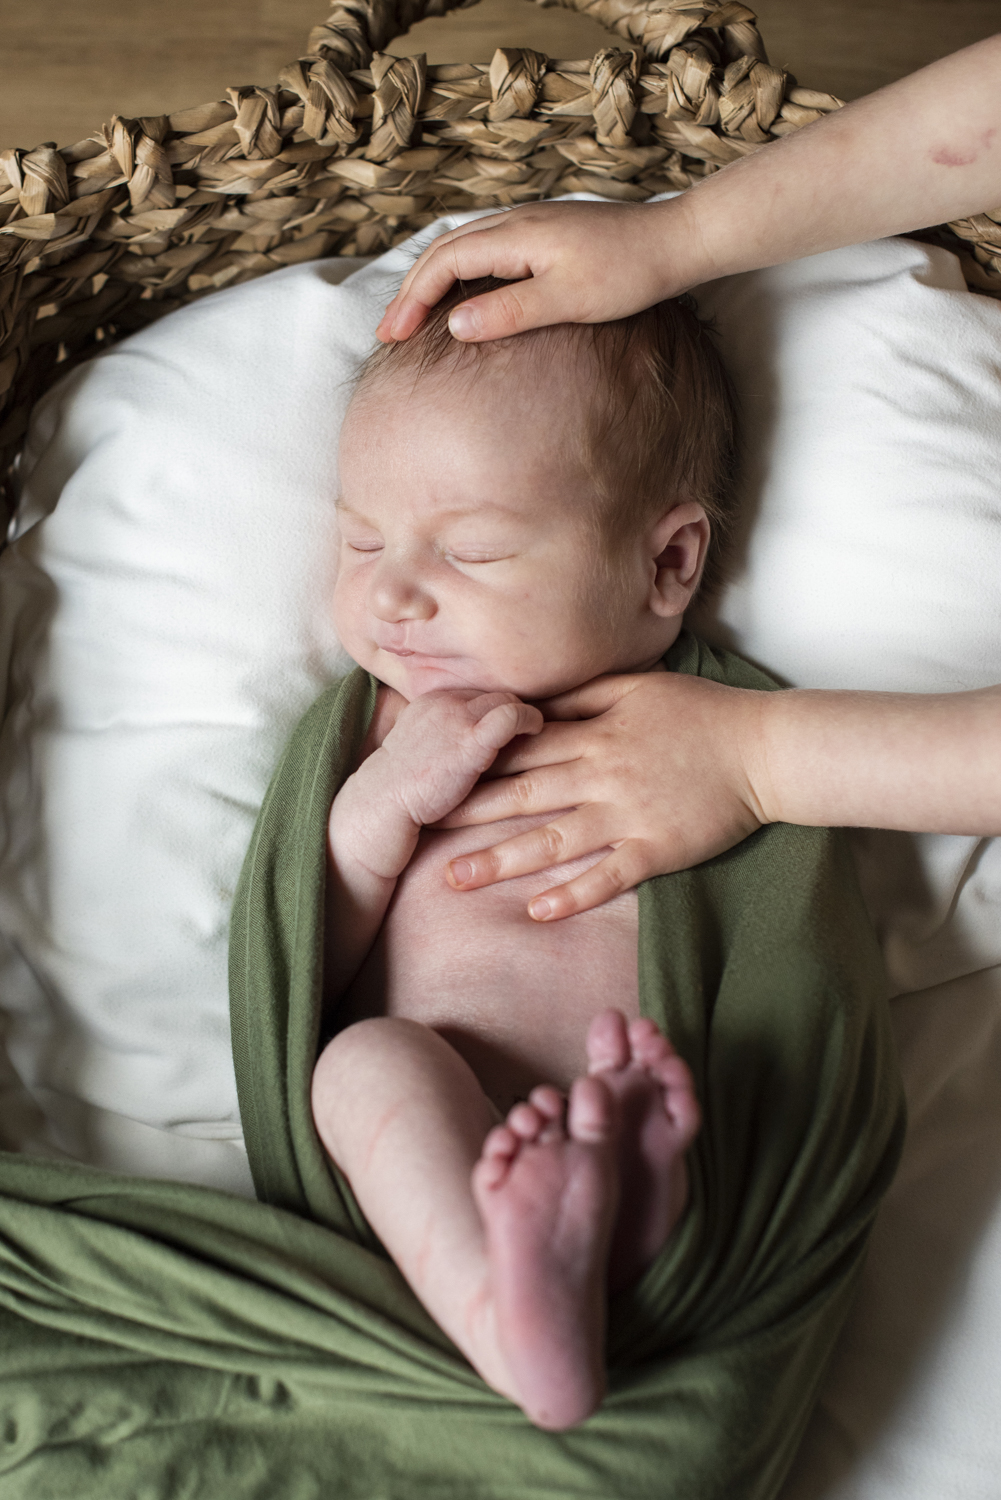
(530, 513)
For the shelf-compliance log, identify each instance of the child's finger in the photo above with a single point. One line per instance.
(619, 871)
(443, 277)
(535, 302)
(548, 789)
(581, 831)
(447, 260)
(554, 745)
(437, 245)
(592, 698)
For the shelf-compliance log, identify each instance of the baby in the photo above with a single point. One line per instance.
(516, 519)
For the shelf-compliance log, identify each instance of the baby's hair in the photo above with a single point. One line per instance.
(661, 425)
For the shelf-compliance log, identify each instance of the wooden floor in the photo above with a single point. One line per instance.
(67, 65)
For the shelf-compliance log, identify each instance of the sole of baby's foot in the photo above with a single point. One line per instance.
(659, 1118)
(546, 1188)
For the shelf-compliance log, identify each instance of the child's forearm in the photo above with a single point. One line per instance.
(921, 151)
(919, 762)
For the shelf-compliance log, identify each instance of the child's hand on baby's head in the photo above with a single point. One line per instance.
(442, 743)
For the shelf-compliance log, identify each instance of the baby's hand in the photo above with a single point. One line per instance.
(442, 743)
(428, 763)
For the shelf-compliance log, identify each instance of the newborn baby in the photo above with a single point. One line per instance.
(516, 518)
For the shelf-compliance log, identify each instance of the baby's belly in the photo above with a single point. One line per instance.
(513, 996)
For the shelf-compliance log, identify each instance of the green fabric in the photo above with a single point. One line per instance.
(162, 1340)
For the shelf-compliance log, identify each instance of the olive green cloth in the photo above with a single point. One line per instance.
(162, 1340)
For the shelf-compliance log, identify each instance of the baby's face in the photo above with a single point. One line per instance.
(467, 556)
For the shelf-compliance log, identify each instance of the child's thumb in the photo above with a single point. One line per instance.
(508, 310)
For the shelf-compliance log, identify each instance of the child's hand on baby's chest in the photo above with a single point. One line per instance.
(440, 745)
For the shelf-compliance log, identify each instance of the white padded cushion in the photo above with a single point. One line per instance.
(870, 391)
(164, 627)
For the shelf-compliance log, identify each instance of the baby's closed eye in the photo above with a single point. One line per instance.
(478, 555)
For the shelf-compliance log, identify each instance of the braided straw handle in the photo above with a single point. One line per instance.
(352, 150)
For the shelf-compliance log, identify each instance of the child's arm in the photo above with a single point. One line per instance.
(926, 149)
(428, 762)
(670, 770)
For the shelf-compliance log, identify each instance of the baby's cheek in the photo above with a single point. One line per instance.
(347, 609)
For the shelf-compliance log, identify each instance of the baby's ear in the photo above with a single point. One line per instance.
(679, 541)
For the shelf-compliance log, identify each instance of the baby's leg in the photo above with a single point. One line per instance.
(519, 1287)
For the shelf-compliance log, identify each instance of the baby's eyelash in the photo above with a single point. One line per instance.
(467, 557)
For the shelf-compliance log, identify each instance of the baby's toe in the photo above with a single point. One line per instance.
(607, 1042)
(648, 1044)
(526, 1122)
(499, 1150)
(501, 1142)
(548, 1101)
(591, 1113)
(681, 1105)
(682, 1108)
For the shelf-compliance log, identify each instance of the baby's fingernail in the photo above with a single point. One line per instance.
(461, 871)
(464, 322)
(539, 909)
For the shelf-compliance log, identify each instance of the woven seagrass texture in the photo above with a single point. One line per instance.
(351, 150)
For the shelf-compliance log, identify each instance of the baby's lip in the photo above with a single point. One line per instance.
(411, 651)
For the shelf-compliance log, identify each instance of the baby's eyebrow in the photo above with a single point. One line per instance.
(349, 510)
(457, 513)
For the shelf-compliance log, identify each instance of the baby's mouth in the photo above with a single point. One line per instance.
(410, 651)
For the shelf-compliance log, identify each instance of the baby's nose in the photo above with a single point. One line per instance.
(397, 593)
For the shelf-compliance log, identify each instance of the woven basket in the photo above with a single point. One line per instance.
(352, 150)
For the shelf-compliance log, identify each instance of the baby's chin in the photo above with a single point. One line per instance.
(413, 676)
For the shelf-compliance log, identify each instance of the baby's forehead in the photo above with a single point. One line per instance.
(552, 367)
(501, 440)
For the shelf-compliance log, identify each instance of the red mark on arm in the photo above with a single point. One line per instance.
(944, 156)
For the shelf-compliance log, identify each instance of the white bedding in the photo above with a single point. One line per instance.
(870, 383)
(163, 626)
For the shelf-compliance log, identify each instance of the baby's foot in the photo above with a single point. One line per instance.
(659, 1117)
(546, 1187)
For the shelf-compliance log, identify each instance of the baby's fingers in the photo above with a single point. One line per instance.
(502, 722)
(619, 871)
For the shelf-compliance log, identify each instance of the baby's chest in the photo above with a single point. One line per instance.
(513, 995)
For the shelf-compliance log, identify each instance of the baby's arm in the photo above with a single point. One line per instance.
(670, 770)
(428, 762)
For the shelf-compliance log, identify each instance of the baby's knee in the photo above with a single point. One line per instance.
(359, 1065)
(349, 1056)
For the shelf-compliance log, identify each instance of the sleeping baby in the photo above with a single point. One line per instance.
(502, 1095)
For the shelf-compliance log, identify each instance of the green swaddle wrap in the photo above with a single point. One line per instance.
(162, 1340)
